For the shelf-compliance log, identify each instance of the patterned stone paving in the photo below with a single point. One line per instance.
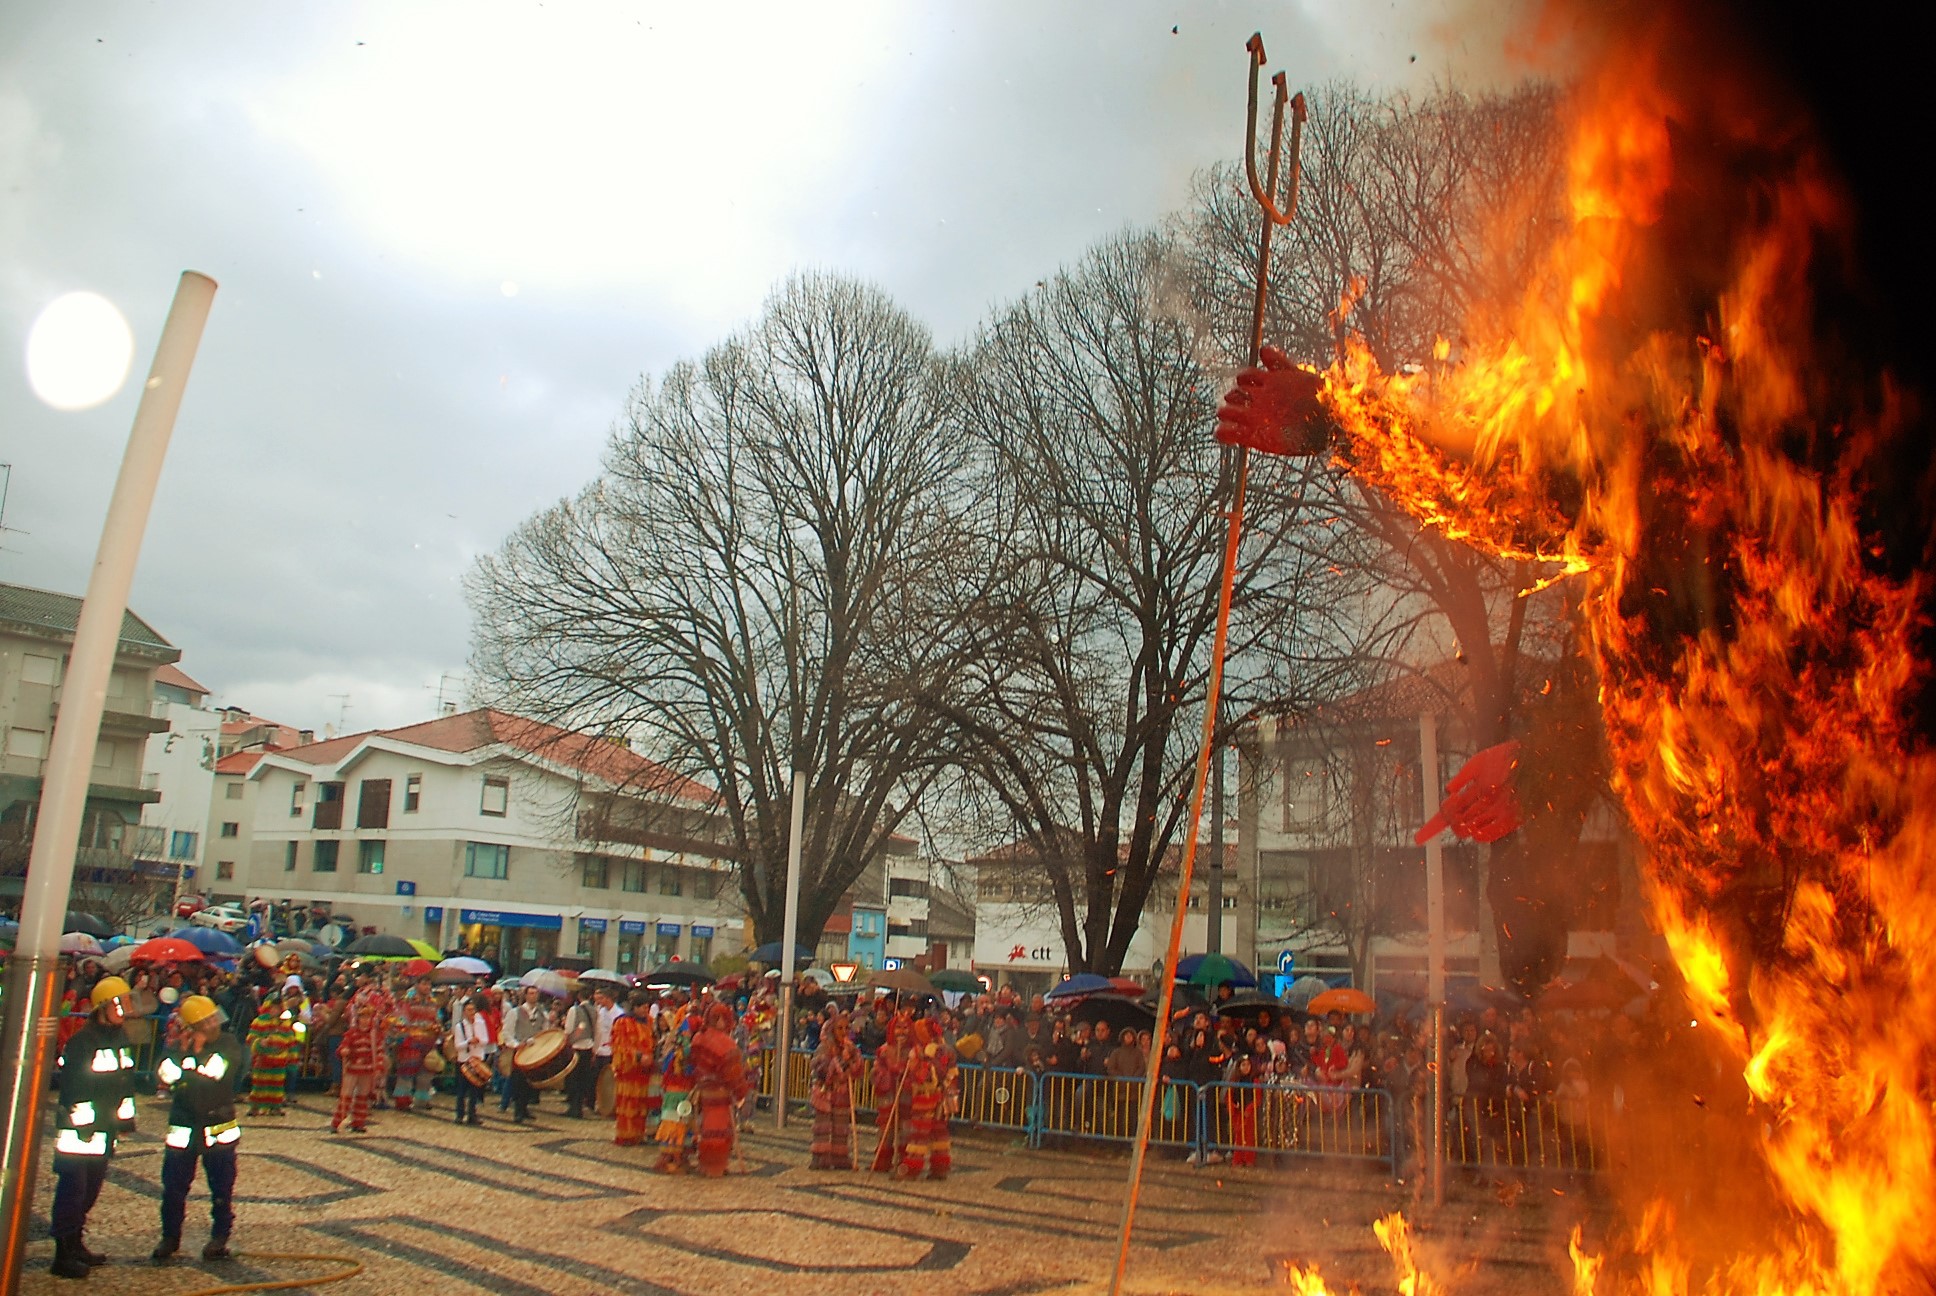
(427, 1206)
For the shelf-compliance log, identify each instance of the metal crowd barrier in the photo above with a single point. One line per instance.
(1543, 1134)
(1244, 1121)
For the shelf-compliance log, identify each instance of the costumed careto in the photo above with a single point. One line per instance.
(674, 1129)
(276, 1038)
(930, 1081)
(202, 1076)
(720, 1084)
(414, 1031)
(362, 1052)
(634, 1077)
(96, 1074)
(893, 1104)
(838, 1072)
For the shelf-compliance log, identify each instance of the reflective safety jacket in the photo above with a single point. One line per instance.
(202, 1087)
(96, 1072)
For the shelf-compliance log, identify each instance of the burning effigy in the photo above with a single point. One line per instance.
(1670, 413)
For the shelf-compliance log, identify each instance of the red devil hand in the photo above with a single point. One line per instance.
(1274, 409)
(1479, 804)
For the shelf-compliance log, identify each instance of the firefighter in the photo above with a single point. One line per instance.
(203, 1076)
(96, 1073)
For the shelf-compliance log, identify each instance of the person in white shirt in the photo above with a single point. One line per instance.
(523, 1024)
(476, 1052)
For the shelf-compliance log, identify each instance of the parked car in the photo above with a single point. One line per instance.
(226, 918)
(189, 905)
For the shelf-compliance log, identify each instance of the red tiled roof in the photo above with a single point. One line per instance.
(174, 675)
(239, 763)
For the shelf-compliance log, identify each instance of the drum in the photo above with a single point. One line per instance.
(546, 1060)
(477, 1071)
(433, 1063)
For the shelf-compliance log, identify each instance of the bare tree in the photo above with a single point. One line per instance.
(1101, 512)
(1415, 216)
(750, 586)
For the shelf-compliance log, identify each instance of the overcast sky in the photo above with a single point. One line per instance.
(451, 237)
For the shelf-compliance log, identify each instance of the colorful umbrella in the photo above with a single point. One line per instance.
(80, 943)
(165, 949)
(1347, 999)
(426, 949)
(1214, 969)
(213, 943)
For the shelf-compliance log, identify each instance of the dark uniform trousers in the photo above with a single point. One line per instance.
(178, 1176)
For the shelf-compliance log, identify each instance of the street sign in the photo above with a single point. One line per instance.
(1286, 962)
(406, 888)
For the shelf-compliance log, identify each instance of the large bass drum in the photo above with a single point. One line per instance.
(546, 1060)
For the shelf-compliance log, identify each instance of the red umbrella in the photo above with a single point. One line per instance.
(417, 967)
(166, 949)
(1123, 985)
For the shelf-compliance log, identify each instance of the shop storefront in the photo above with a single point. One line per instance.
(591, 939)
(665, 942)
(631, 943)
(516, 942)
(700, 948)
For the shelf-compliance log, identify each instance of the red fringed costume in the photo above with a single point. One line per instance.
(363, 1055)
(930, 1081)
(632, 1071)
(719, 1083)
(893, 1105)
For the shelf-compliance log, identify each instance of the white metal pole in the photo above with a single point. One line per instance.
(33, 971)
(783, 1045)
(1428, 764)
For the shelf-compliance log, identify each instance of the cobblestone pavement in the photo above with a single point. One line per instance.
(427, 1206)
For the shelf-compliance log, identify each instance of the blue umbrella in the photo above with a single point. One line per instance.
(209, 941)
(769, 954)
(1214, 969)
(1082, 983)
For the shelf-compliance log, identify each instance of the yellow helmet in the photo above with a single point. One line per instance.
(196, 1009)
(109, 987)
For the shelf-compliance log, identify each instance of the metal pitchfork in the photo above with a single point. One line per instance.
(1266, 195)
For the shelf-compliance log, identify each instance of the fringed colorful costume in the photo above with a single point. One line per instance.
(838, 1072)
(367, 1025)
(414, 1031)
(930, 1082)
(632, 1074)
(674, 1129)
(893, 1104)
(720, 1084)
(275, 1047)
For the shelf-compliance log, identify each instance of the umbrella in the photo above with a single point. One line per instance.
(1125, 986)
(951, 979)
(86, 922)
(466, 964)
(1120, 1013)
(601, 974)
(1075, 987)
(692, 974)
(902, 981)
(117, 941)
(729, 983)
(381, 946)
(1214, 969)
(426, 949)
(79, 943)
(213, 943)
(1303, 990)
(119, 959)
(451, 976)
(165, 949)
(547, 982)
(1347, 1000)
(1253, 1006)
(418, 967)
(769, 954)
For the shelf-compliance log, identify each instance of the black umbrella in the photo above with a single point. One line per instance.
(692, 974)
(382, 945)
(86, 922)
(769, 954)
(1120, 1013)
(1260, 1008)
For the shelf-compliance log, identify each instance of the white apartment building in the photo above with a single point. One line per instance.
(527, 844)
(179, 763)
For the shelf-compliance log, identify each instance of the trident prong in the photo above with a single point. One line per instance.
(1266, 193)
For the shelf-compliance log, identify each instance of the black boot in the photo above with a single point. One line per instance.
(217, 1249)
(67, 1260)
(165, 1249)
(91, 1257)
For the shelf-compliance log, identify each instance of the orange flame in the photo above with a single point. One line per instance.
(1754, 671)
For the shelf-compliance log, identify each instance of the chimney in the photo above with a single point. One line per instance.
(304, 737)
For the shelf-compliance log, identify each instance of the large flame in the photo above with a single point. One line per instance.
(1687, 454)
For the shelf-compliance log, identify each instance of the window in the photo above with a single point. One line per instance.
(914, 888)
(182, 845)
(35, 669)
(700, 949)
(373, 803)
(597, 874)
(497, 796)
(369, 857)
(289, 857)
(231, 830)
(412, 793)
(329, 805)
(487, 860)
(224, 869)
(588, 939)
(31, 743)
(233, 791)
(297, 797)
(669, 881)
(325, 859)
(634, 879)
